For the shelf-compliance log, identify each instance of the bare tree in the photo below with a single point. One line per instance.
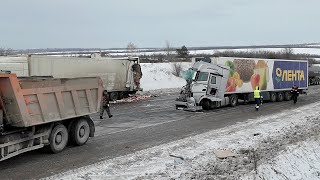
(2, 51)
(6, 51)
(131, 48)
(288, 53)
(168, 50)
(176, 69)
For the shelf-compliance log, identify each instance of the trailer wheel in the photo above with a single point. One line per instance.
(80, 131)
(233, 100)
(273, 97)
(58, 138)
(280, 96)
(287, 96)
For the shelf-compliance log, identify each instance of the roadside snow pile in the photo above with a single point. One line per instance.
(282, 146)
(159, 76)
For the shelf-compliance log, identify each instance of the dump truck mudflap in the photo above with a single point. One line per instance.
(91, 125)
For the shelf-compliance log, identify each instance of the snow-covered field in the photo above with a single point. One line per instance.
(314, 51)
(280, 146)
(160, 76)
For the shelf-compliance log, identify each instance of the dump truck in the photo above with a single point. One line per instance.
(46, 112)
(314, 75)
(120, 76)
(222, 81)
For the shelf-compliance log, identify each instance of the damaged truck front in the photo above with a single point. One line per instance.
(205, 84)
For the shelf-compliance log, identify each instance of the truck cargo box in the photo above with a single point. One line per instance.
(116, 73)
(33, 101)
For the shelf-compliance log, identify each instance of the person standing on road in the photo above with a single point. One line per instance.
(257, 97)
(295, 94)
(105, 106)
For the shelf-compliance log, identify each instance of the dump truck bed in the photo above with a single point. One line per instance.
(34, 101)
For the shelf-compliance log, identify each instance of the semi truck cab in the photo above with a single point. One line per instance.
(208, 83)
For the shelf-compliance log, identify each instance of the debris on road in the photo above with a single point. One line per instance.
(180, 157)
(134, 98)
(224, 153)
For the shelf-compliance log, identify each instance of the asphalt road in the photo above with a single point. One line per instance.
(136, 126)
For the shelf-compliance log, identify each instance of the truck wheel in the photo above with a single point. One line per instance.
(58, 138)
(121, 95)
(273, 97)
(280, 96)
(80, 131)
(113, 96)
(233, 100)
(206, 104)
(287, 96)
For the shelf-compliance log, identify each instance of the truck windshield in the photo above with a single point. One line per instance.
(202, 76)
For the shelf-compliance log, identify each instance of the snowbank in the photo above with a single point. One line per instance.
(159, 76)
(270, 147)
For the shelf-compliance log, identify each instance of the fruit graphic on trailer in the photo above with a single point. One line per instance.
(231, 85)
(261, 68)
(255, 80)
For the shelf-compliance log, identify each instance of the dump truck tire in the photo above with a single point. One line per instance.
(58, 138)
(80, 131)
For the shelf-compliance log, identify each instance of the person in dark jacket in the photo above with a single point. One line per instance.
(295, 93)
(105, 106)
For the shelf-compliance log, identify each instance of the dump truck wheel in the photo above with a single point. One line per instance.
(80, 131)
(273, 97)
(280, 96)
(58, 138)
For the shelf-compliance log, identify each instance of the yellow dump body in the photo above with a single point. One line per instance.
(34, 101)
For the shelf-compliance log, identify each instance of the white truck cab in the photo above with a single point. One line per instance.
(206, 88)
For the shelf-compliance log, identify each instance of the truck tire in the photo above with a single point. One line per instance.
(233, 100)
(280, 96)
(206, 104)
(287, 96)
(121, 95)
(80, 131)
(113, 96)
(58, 138)
(273, 97)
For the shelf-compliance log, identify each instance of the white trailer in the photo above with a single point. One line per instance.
(117, 74)
(211, 87)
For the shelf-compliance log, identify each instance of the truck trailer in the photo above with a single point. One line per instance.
(120, 76)
(39, 112)
(221, 81)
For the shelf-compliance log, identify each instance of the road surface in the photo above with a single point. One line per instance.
(137, 126)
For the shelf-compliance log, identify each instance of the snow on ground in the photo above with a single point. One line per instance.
(281, 146)
(160, 75)
(315, 51)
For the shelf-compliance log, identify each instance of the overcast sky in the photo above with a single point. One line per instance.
(150, 23)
